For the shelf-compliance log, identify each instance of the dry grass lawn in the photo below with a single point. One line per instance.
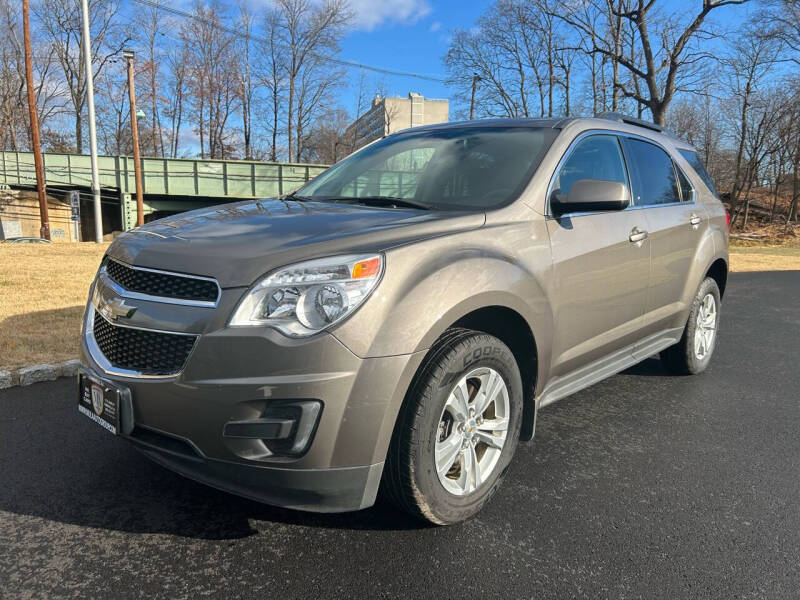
(764, 258)
(43, 290)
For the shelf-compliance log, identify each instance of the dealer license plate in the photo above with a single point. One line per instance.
(99, 401)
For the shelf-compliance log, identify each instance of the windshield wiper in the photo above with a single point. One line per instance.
(293, 196)
(387, 201)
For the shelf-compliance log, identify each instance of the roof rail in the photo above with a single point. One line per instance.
(620, 118)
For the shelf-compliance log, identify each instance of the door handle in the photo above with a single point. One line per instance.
(637, 235)
(694, 220)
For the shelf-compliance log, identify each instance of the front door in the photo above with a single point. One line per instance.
(601, 263)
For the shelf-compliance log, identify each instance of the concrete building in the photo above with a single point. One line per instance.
(387, 115)
(19, 216)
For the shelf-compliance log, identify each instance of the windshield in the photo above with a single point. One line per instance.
(470, 168)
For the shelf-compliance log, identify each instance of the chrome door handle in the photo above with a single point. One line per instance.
(637, 235)
(694, 220)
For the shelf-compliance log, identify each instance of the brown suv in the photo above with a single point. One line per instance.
(397, 323)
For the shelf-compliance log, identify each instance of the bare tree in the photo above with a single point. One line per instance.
(178, 75)
(49, 92)
(522, 57)
(213, 77)
(246, 88)
(150, 69)
(668, 58)
(309, 33)
(752, 55)
(327, 142)
(786, 13)
(270, 74)
(61, 20)
(112, 113)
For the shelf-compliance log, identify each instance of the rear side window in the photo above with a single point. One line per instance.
(652, 174)
(594, 157)
(697, 164)
(687, 189)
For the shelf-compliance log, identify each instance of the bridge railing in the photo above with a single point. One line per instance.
(162, 176)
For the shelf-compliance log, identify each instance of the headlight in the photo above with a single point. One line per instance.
(302, 299)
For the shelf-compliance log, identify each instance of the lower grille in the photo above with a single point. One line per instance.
(146, 352)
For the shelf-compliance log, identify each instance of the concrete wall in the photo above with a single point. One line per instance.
(19, 216)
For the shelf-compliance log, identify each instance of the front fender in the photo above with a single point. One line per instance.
(426, 289)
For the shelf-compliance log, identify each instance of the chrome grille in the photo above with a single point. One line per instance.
(160, 284)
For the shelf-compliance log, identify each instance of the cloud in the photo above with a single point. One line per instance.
(435, 26)
(369, 14)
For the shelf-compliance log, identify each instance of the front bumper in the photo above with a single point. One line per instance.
(317, 490)
(235, 374)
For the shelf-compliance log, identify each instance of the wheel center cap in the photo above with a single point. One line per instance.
(469, 428)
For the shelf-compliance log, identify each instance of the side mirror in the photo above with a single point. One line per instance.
(591, 195)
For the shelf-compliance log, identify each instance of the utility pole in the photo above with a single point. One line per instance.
(137, 161)
(44, 229)
(475, 79)
(87, 64)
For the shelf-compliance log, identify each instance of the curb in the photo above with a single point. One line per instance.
(37, 373)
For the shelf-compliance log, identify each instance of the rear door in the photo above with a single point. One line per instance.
(675, 223)
(601, 262)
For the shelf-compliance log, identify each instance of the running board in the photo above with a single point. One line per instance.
(605, 367)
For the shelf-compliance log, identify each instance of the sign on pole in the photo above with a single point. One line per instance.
(75, 208)
(75, 204)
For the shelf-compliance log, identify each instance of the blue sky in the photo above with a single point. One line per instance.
(413, 35)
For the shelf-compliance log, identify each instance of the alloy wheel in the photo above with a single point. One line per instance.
(472, 431)
(705, 327)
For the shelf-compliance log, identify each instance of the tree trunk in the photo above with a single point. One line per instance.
(659, 113)
(747, 205)
(78, 132)
(290, 119)
(795, 196)
(275, 106)
(177, 129)
(775, 188)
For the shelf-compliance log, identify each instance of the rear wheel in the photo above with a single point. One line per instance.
(458, 429)
(692, 353)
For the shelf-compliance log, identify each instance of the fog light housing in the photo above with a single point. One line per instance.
(286, 428)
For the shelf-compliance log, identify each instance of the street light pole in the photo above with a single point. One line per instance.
(87, 65)
(44, 229)
(137, 161)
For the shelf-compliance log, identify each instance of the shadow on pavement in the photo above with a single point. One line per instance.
(651, 367)
(57, 465)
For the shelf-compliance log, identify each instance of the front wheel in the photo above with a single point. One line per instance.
(692, 353)
(458, 429)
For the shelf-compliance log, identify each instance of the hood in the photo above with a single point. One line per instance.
(238, 243)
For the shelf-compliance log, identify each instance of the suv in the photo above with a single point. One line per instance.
(397, 322)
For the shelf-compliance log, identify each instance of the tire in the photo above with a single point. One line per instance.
(430, 427)
(685, 357)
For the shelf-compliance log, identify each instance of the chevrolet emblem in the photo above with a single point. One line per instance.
(115, 309)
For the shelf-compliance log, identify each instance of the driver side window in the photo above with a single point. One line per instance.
(594, 157)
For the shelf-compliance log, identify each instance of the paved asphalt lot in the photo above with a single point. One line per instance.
(645, 485)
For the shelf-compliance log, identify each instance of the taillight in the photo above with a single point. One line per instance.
(727, 218)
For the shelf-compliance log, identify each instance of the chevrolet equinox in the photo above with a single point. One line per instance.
(396, 323)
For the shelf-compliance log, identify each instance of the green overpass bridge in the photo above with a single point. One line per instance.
(169, 184)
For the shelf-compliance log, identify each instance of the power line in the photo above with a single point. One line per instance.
(331, 59)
